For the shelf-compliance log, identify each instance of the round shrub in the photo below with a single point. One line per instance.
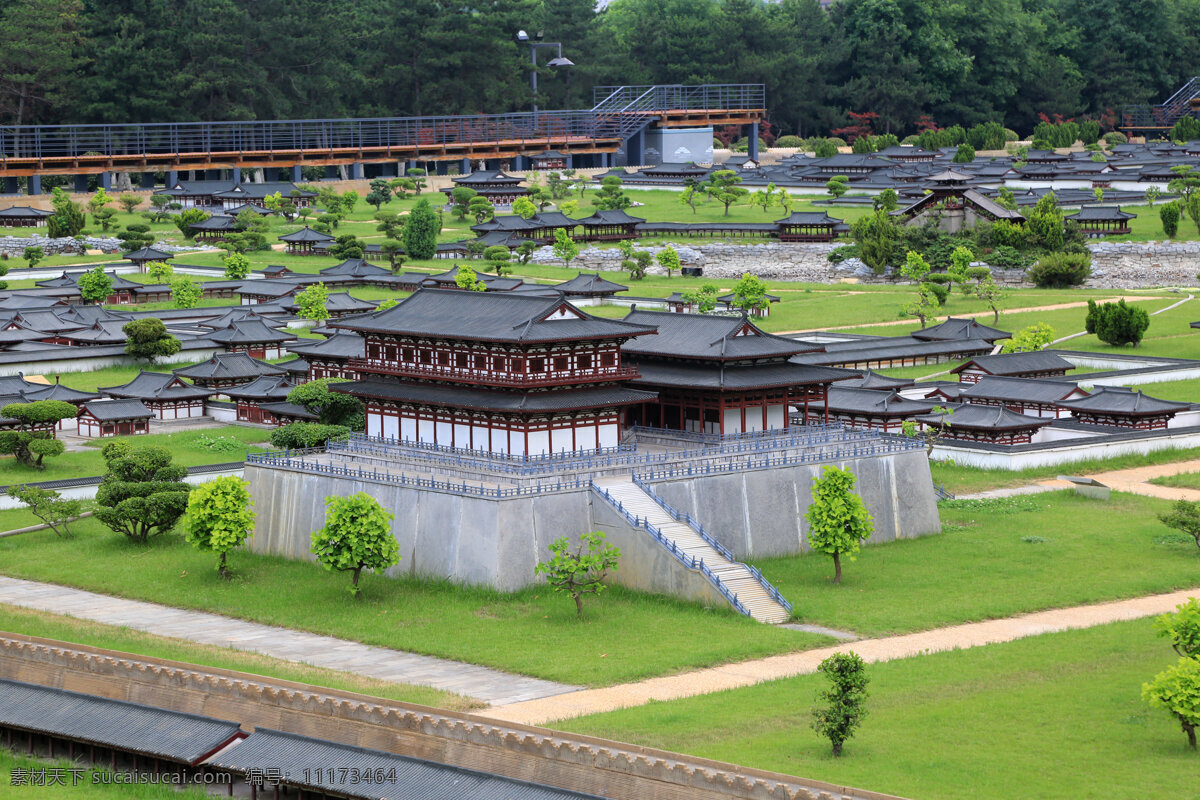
(1005, 257)
(1011, 136)
(836, 141)
(912, 139)
(1060, 270)
(789, 141)
(1169, 214)
(940, 291)
(299, 435)
(1115, 137)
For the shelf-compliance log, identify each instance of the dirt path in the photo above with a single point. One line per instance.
(1134, 480)
(974, 314)
(747, 673)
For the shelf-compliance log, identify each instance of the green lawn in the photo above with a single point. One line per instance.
(623, 635)
(85, 789)
(1184, 480)
(110, 637)
(1058, 716)
(961, 479)
(1183, 391)
(983, 567)
(190, 448)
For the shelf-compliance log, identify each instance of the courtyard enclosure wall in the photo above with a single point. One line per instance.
(567, 761)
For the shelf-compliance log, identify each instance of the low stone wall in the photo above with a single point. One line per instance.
(14, 246)
(1116, 265)
(567, 761)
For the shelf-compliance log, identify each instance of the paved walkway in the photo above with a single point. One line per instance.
(489, 685)
(747, 673)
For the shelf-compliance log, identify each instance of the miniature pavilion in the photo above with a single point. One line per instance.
(167, 396)
(500, 372)
(1097, 221)
(304, 241)
(23, 217)
(1119, 407)
(500, 189)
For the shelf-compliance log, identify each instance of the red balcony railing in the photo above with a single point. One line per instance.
(484, 377)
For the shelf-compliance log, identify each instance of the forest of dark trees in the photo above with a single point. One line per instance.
(954, 61)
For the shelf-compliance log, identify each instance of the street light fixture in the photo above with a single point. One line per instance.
(535, 41)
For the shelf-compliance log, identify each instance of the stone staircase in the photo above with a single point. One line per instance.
(742, 584)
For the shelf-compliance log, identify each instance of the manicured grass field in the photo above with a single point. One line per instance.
(1184, 480)
(1058, 716)
(110, 637)
(189, 448)
(623, 635)
(995, 558)
(961, 479)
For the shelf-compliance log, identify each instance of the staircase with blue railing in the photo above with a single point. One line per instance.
(745, 588)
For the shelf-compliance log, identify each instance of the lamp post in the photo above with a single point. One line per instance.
(534, 42)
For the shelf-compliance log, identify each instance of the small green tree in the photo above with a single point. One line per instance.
(142, 493)
(638, 264)
(158, 206)
(1152, 195)
(611, 196)
(845, 699)
(481, 209)
(128, 201)
(929, 434)
(237, 266)
(49, 506)
(960, 264)
(357, 536)
(331, 408)
(347, 246)
(723, 187)
(99, 200)
(461, 196)
(159, 271)
(394, 251)
(1177, 691)
(30, 447)
(67, 219)
(526, 250)
(149, 339)
(750, 293)
(497, 258)
(185, 292)
(1168, 213)
(692, 193)
(703, 298)
(838, 521)
(1182, 627)
(95, 285)
(564, 247)
(1116, 323)
(923, 306)
(390, 224)
(312, 303)
(579, 573)
(1184, 516)
(105, 218)
(524, 208)
(421, 232)
(837, 186)
(467, 280)
(33, 255)
(668, 259)
(1186, 129)
(186, 218)
(219, 517)
(965, 154)
(887, 200)
(1032, 338)
(990, 292)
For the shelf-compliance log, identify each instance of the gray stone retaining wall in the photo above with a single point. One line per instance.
(1116, 265)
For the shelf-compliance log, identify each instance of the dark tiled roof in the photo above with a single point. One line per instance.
(58, 391)
(250, 331)
(185, 738)
(720, 376)
(217, 222)
(295, 367)
(268, 387)
(306, 234)
(355, 267)
(615, 216)
(157, 386)
(1100, 214)
(872, 402)
(973, 417)
(296, 756)
(229, 366)
(24, 211)
(341, 345)
(1121, 401)
(592, 284)
(235, 314)
(518, 402)
(957, 328)
(286, 409)
(110, 410)
(808, 218)
(269, 287)
(1018, 390)
(489, 316)
(148, 254)
(869, 379)
(1017, 363)
(486, 177)
(707, 337)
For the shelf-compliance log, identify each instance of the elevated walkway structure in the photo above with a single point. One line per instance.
(619, 116)
(1144, 119)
